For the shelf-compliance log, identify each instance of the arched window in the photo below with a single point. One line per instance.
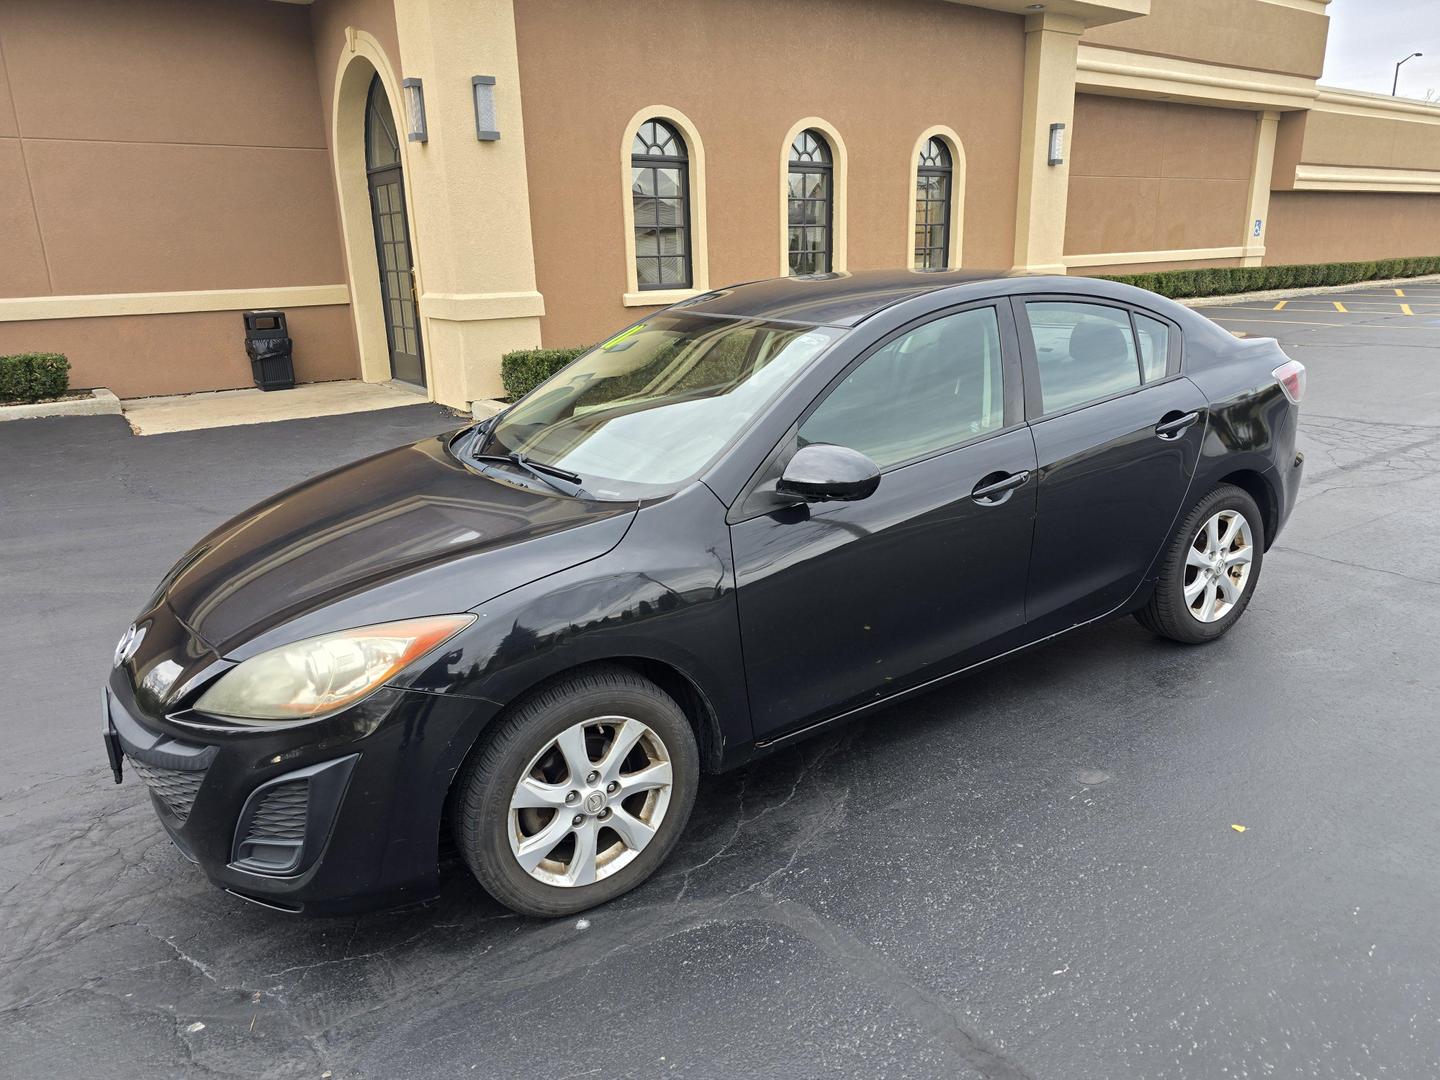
(660, 196)
(810, 204)
(382, 147)
(933, 178)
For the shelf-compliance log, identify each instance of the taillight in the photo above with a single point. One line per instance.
(1291, 377)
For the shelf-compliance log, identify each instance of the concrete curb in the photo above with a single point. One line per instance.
(484, 408)
(101, 402)
(1285, 294)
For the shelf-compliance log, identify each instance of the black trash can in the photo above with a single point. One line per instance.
(267, 343)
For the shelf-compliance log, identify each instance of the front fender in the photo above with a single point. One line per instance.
(665, 594)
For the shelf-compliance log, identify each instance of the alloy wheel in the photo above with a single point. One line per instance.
(1217, 566)
(590, 801)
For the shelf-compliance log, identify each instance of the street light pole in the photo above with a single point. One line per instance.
(1396, 84)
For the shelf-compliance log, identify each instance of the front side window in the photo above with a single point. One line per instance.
(660, 197)
(651, 407)
(932, 388)
(810, 204)
(1084, 352)
(932, 206)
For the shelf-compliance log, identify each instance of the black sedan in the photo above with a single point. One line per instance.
(754, 514)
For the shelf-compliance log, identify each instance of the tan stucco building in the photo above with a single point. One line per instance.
(167, 164)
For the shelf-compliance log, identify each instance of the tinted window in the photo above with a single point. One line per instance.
(1084, 352)
(1154, 346)
(931, 388)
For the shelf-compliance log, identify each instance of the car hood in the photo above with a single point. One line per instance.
(406, 533)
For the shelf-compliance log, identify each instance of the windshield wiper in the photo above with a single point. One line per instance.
(562, 480)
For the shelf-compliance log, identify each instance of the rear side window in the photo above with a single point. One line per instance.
(1154, 346)
(1084, 352)
(932, 388)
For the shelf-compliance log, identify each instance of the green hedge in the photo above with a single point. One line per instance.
(525, 369)
(1222, 280)
(33, 377)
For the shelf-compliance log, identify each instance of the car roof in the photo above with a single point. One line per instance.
(832, 299)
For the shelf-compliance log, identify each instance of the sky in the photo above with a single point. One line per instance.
(1368, 36)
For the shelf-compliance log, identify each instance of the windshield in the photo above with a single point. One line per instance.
(651, 407)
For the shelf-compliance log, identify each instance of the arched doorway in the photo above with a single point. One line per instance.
(392, 237)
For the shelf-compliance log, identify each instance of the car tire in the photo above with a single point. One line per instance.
(1195, 569)
(535, 742)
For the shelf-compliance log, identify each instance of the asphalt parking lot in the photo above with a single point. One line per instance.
(1030, 873)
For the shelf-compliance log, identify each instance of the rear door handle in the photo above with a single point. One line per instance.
(1173, 424)
(993, 489)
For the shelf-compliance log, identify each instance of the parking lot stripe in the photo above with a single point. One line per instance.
(1280, 306)
(1385, 305)
(1327, 325)
(1339, 306)
(1406, 309)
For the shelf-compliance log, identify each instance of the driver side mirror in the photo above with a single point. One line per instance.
(822, 472)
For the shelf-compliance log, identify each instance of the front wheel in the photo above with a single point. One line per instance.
(1209, 570)
(579, 794)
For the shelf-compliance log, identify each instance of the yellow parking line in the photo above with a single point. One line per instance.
(1280, 306)
(1399, 292)
(1354, 307)
(1338, 306)
(1328, 325)
(1406, 309)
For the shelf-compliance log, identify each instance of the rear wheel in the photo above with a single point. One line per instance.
(579, 794)
(1209, 570)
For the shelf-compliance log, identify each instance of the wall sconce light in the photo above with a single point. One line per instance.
(1057, 144)
(482, 87)
(414, 93)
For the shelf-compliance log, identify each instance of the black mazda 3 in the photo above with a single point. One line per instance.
(754, 514)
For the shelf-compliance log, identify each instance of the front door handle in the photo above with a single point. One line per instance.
(1174, 424)
(993, 489)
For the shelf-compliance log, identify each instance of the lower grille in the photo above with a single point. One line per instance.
(175, 790)
(283, 826)
(281, 815)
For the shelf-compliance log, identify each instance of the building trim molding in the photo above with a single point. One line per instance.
(362, 57)
(472, 307)
(1313, 7)
(106, 305)
(958, 173)
(1363, 178)
(1132, 74)
(698, 233)
(659, 297)
(1126, 258)
(1333, 99)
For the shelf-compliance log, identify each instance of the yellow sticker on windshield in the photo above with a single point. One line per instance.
(622, 336)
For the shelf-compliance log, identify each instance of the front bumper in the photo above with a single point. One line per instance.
(337, 816)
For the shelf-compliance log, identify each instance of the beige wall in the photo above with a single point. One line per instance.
(164, 146)
(585, 71)
(1326, 226)
(140, 355)
(1156, 176)
(1146, 268)
(1351, 139)
(1236, 33)
(328, 20)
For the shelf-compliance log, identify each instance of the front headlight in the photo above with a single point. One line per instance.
(308, 679)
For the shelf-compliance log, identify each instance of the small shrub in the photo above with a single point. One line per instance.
(1223, 280)
(523, 370)
(30, 377)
